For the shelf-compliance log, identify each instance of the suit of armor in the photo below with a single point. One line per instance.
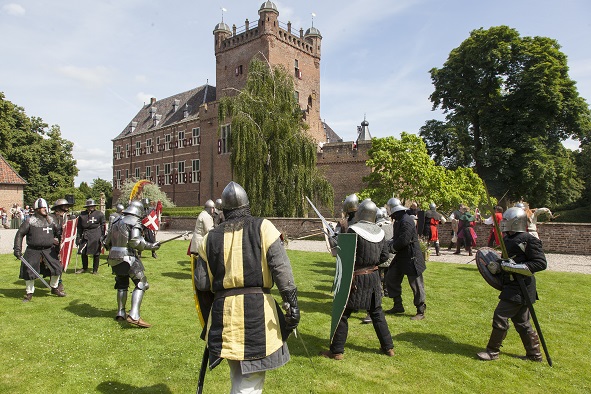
(124, 241)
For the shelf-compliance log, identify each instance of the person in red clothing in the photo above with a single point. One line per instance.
(493, 238)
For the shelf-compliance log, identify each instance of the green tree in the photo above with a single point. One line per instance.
(403, 169)
(512, 99)
(36, 151)
(150, 191)
(272, 156)
(99, 186)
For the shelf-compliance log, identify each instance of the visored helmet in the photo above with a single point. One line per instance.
(234, 196)
(40, 203)
(366, 211)
(514, 219)
(351, 203)
(135, 208)
(394, 205)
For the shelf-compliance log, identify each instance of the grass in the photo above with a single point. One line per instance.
(73, 345)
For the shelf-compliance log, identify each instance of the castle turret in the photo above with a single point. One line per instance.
(268, 14)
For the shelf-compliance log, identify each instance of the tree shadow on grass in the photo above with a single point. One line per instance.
(118, 387)
(83, 309)
(177, 275)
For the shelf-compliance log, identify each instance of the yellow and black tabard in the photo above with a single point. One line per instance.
(244, 257)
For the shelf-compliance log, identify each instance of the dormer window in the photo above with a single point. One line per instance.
(175, 105)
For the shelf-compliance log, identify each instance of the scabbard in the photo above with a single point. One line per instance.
(204, 362)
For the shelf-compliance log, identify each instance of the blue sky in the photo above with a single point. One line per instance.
(89, 66)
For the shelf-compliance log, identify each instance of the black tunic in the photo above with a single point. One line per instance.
(405, 243)
(91, 227)
(41, 233)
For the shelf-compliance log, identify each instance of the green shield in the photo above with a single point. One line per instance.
(347, 244)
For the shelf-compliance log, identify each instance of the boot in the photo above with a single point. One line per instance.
(437, 248)
(121, 301)
(397, 308)
(420, 312)
(27, 297)
(494, 345)
(366, 319)
(60, 287)
(331, 355)
(133, 316)
(531, 343)
(457, 248)
(57, 292)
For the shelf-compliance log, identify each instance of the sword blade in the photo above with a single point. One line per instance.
(328, 226)
(173, 238)
(25, 262)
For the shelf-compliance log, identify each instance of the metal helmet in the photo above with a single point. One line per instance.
(218, 204)
(90, 203)
(135, 208)
(520, 205)
(209, 206)
(366, 211)
(40, 203)
(351, 203)
(394, 205)
(381, 215)
(234, 196)
(514, 219)
(432, 206)
(59, 202)
(119, 208)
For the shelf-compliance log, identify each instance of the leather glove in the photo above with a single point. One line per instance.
(292, 312)
(18, 254)
(156, 246)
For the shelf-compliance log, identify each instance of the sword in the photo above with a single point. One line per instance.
(329, 229)
(25, 262)
(520, 281)
(203, 369)
(173, 238)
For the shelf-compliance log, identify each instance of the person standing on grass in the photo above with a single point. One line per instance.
(527, 257)
(366, 292)
(203, 225)
(408, 261)
(493, 238)
(124, 240)
(91, 229)
(42, 233)
(239, 261)
(431, 227)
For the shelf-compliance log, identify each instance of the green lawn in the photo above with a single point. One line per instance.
(73, 345)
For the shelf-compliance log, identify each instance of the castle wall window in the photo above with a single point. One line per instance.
(138, 148)
(137, 173)
(225, 142)
(157, 169)
(126, 174)
(149, 147)
(180, 138)
(238, 70)
(195, 166)
(167, 142)
(167, 173)
(118, 152)
(126, 150)
(196, 136)
(181, 171)
(148, 172)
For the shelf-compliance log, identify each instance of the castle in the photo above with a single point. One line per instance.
(178, 144)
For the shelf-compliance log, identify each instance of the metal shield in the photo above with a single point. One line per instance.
(347, 245)
(483, 257)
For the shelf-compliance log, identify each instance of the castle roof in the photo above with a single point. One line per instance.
(268, 6)
(331, 136)
(169, 111)
(8, 175)
(222, 27)
(313, 32)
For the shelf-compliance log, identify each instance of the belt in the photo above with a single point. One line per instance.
(39, 247)
(241, 290)
(364, 271)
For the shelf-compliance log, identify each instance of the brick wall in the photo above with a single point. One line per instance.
(11, 194)
(568, 238)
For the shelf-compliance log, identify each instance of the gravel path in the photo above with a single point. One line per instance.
(556, 262)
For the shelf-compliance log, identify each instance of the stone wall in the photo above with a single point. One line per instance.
(568, 238)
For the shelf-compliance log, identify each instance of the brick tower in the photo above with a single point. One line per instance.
(297, 53)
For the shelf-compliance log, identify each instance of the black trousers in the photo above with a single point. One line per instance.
(379, 324)
(518, 313)
(96, 259)
(394, 279)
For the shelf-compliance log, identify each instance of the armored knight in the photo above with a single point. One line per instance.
(218, 214)
(124, 240)
(61, 214)
(118, 212)
(42, 233)
(528, 258)
(366, 292)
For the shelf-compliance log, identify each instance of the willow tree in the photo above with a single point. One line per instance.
(272, 156)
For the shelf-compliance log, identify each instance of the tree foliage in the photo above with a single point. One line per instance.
(150, 191)
(509, 101)
(273, 158)
(36, 151)
(404, 169)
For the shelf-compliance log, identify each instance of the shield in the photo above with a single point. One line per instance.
(347, 245)
(69, 230)
(483, 257)
(203, 299)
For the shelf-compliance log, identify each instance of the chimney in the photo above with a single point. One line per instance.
(153, 101)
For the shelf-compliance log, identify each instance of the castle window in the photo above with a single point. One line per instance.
(167, 172)
(138, 148)
(180, 138)
(195, 166)
(167, 142)
(238, 70)
(181, 171)
(137, 173)
(309, 101)
(196, 136)
(157, 169)
(297, 96)
(224, 144)
(148, 172)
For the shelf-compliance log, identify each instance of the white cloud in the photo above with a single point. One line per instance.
(14, 9)
(141, 78)
(144, 97)
(92, 77)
